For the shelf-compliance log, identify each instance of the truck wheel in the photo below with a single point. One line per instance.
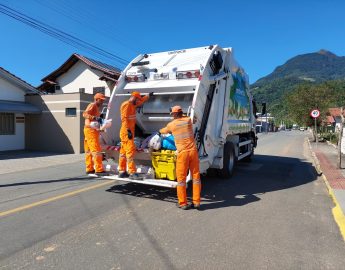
(229, 160)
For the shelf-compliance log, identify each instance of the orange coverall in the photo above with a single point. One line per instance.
(92, 147)
(187, 158)
(128, 120)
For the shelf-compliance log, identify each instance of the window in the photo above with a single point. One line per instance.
(57, 87)
(71, 112)
(51, 89)
(81, 90)
(7, 124)
(99, 90)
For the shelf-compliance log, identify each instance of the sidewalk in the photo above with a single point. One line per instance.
(326, 159)
(15, 161)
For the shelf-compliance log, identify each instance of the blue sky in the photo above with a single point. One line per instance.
(264, 34)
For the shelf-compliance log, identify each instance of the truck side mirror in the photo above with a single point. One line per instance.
(255, 109)
(263, 108)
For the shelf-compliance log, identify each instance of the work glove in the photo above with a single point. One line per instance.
(99, 120)
(150, 94)
(129, 134)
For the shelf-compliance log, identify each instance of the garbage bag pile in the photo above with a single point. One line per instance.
(168, 143)
(162, 142)
(155, 142)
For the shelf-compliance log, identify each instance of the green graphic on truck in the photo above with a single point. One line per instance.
(239, 103)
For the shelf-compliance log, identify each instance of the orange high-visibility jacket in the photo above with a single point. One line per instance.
(182, 129)
(91, 113)
(128, 114)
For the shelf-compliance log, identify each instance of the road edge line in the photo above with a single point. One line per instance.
(337, 212)
(55, 198)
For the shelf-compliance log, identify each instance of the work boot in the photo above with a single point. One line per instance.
(196, 206)
(102, 173)
(90, 172)
(184, 207)
(135, 176)
(123, 175)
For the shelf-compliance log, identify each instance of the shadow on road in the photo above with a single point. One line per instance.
(145, 191)
(250, 180)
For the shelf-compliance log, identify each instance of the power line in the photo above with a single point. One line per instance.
(82, 17)
(59, 34)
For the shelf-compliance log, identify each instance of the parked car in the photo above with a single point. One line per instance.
(302, 128)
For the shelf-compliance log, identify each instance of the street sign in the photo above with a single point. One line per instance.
(315, 113)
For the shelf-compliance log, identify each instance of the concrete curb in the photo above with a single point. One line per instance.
(338, 214)
(331, 144)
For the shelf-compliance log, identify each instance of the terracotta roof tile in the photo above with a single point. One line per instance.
(330, 119)
(335, 112)
(74, 58)
(99, 65)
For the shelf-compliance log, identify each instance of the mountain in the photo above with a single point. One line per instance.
(311, 67)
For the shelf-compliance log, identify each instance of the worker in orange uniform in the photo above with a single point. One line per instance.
(128, 121)
(92, 147)
(187, 157)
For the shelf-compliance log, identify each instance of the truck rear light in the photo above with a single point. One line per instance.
(161, 76)
(189, 74)
(179, 75)
(135, 78)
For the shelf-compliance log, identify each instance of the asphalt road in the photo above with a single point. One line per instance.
(274, 213)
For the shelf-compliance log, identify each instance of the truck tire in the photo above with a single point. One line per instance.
(229, 160)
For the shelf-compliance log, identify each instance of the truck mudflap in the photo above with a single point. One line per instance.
(152, 182)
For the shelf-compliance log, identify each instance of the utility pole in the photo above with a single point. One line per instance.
(316, 137)
(340, 136)
(315, 114)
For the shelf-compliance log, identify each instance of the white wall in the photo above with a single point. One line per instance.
(81, 75)
(10, 92)
(14, 142)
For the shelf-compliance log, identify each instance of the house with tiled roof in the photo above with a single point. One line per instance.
(80, 74)
(334, 117)
(65, 94)
(14, 110)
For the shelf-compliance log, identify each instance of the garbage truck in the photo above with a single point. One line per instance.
(209, 85)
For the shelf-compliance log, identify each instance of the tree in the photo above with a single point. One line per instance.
(305, 98)
(301, 98)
